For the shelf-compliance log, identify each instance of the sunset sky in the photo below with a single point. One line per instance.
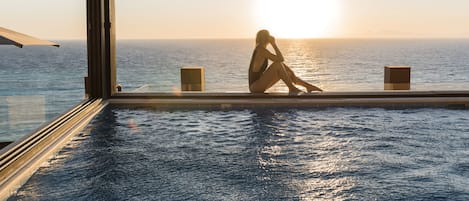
(65, 19)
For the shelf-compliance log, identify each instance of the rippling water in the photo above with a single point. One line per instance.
(262, 154)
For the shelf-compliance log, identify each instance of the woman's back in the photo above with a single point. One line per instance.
(257, 66)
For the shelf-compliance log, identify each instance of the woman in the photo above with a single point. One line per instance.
(262, 77)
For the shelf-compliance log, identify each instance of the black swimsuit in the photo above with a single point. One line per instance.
(254, 76)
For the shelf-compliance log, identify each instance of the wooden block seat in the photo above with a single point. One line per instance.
(397, 78)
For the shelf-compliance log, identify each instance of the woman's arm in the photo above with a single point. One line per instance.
(277, 50)
(277, 57)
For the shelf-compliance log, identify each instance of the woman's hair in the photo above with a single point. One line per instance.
(262, 37)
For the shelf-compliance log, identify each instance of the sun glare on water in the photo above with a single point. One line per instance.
(298, 18)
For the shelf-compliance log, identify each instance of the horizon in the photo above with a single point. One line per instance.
(214, 19)
(323, 38)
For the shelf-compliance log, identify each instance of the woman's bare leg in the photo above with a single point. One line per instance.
(272, 75)
(285, 77)
(309, 87)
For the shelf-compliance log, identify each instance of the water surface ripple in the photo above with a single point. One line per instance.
(262, 154)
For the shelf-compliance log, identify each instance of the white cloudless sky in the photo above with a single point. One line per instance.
(66, 19)
(47, 19)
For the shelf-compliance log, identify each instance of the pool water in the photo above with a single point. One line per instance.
(261, 154)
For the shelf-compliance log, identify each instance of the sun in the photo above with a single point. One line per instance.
(297, 18)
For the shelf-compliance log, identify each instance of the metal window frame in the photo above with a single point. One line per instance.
(101, 47)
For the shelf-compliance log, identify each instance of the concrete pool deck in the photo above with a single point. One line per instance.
(452, 99)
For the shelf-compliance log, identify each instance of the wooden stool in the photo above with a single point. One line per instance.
(192, 79)
(397, 78)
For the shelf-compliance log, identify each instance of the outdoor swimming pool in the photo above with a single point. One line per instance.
(261, 154)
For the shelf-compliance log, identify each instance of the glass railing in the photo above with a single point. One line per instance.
(38, 84)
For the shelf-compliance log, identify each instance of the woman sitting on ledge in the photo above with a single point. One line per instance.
(262, 76)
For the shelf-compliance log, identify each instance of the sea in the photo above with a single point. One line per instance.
(289, 153)
(39, 83)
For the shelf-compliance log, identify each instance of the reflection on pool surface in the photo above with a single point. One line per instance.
(262, 154)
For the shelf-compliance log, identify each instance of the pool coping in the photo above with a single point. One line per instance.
(453, 99)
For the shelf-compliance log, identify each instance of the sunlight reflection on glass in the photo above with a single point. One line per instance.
(26, 110)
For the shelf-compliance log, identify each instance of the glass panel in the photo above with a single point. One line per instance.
(37, 83)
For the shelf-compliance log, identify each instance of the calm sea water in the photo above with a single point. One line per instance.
(262, 154)
(334, 65)
(334, 153)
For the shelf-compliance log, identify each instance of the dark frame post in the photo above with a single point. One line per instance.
(110, 85)
(101, 48)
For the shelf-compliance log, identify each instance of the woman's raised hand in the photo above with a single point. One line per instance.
(272, 40)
